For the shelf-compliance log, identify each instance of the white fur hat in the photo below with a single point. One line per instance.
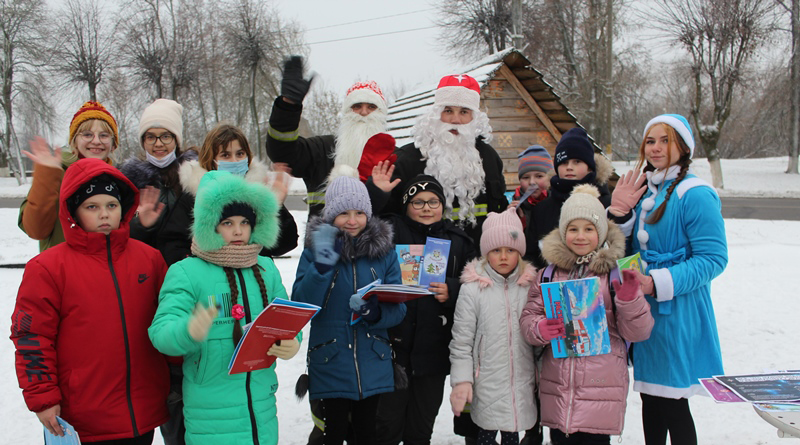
(365, 92)
(458, 91)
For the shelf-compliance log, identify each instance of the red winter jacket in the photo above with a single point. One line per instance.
(80, 324)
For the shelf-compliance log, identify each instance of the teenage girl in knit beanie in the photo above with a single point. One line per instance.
(675, 222)
(586, 244)
(491, 366)
(92, 134)
(207, 299)
(349, 365)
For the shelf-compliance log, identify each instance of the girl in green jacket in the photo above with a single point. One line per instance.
(207, 299)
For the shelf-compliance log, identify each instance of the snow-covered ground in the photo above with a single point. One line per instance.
(756, 307)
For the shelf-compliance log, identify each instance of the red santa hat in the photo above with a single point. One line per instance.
(365, 92)
(458, 91)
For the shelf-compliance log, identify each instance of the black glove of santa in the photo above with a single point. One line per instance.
(293, 86)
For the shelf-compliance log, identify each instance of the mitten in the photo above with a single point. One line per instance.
(369, 309)
(285, 349)
(629, 288)
(628, 191)
(325, 252)
(460, 396)
(379, 147)
(200, 322)
(550, 328)
(293, 86)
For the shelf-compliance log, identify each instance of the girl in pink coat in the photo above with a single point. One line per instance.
(583, 398)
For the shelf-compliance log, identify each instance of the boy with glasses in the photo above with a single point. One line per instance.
(421, 341)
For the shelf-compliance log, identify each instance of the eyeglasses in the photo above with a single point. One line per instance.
(88, 136)
(418, 204)
(166, 138)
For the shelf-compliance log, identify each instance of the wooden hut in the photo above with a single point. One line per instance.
(523, 109)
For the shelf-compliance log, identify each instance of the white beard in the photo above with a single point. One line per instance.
(353, 133)
(454, 161)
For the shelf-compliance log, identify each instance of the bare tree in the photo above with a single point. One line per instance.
(794, 147)
(475, 27)
(21, 23)
(721, 36)
(86, 41)
(321, 109)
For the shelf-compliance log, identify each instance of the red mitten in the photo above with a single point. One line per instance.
(379, 147)
(627, 290)
(550, 328)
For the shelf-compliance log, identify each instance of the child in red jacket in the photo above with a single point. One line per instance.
(82, 313)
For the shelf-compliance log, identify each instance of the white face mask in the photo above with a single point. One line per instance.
(163, 162)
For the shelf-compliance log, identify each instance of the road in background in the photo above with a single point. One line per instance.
(786, 209)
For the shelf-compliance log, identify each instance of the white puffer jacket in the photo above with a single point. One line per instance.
(488, 349)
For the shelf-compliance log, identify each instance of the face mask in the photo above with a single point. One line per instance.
(163, 162)
(237, 167)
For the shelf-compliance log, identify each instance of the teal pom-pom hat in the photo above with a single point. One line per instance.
(219, 189)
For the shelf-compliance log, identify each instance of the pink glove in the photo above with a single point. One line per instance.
(550, 328)
(627, 193)
(629, 288)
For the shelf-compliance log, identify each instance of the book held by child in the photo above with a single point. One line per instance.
(580, 306)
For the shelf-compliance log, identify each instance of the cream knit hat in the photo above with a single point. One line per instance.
(583, 203)
(163, 113)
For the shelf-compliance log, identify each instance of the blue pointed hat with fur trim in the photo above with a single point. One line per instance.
(218, 189)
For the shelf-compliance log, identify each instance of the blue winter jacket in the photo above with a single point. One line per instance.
(344, 361)
(684, 251)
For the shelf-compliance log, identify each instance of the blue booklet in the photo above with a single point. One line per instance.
(70, 436)
(434, 261)
(579, 305)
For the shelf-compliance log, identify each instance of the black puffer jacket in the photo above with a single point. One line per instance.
(421, 342)
(171, 233)
(409, 164)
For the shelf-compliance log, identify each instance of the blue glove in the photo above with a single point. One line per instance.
(369, 309)
(325, 252)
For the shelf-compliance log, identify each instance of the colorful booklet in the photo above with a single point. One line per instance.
(70, 436)
(280, 320)
(389, 293)
(633, 262)
(719, 392)
(410, 258)
(579, 305)
(434, 263)
(764, 388)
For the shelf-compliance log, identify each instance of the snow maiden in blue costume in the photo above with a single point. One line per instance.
(678, 229)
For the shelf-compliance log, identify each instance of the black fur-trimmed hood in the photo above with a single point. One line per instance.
(555, 251)
(143, 173)
(374, 242)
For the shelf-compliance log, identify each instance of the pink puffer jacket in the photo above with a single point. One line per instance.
(587, 394)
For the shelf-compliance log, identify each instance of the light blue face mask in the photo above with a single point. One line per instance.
(236, 167)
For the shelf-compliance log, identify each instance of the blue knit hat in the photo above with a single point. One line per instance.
(575, 144)
(679, 124)
(346, 193)
(534, 159)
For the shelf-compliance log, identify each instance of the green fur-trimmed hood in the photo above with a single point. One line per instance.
(218, 189)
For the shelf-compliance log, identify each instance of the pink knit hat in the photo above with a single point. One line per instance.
(502, 230)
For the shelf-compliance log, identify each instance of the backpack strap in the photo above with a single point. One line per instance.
(547, 276)
(613, 275)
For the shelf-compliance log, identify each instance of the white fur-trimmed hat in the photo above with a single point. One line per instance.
(163, 113)
(458, 91)
(679, 123)
(365, 92)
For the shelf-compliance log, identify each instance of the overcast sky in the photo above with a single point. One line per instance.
(400, 58)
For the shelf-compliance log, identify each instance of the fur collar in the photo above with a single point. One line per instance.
(603, 168)
(191, 173)
(479, 270)
(143, 173)
(374, 242)
(556, 252)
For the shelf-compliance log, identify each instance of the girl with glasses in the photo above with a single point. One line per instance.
(92, 134)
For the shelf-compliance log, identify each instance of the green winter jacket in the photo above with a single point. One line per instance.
(218, 408)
